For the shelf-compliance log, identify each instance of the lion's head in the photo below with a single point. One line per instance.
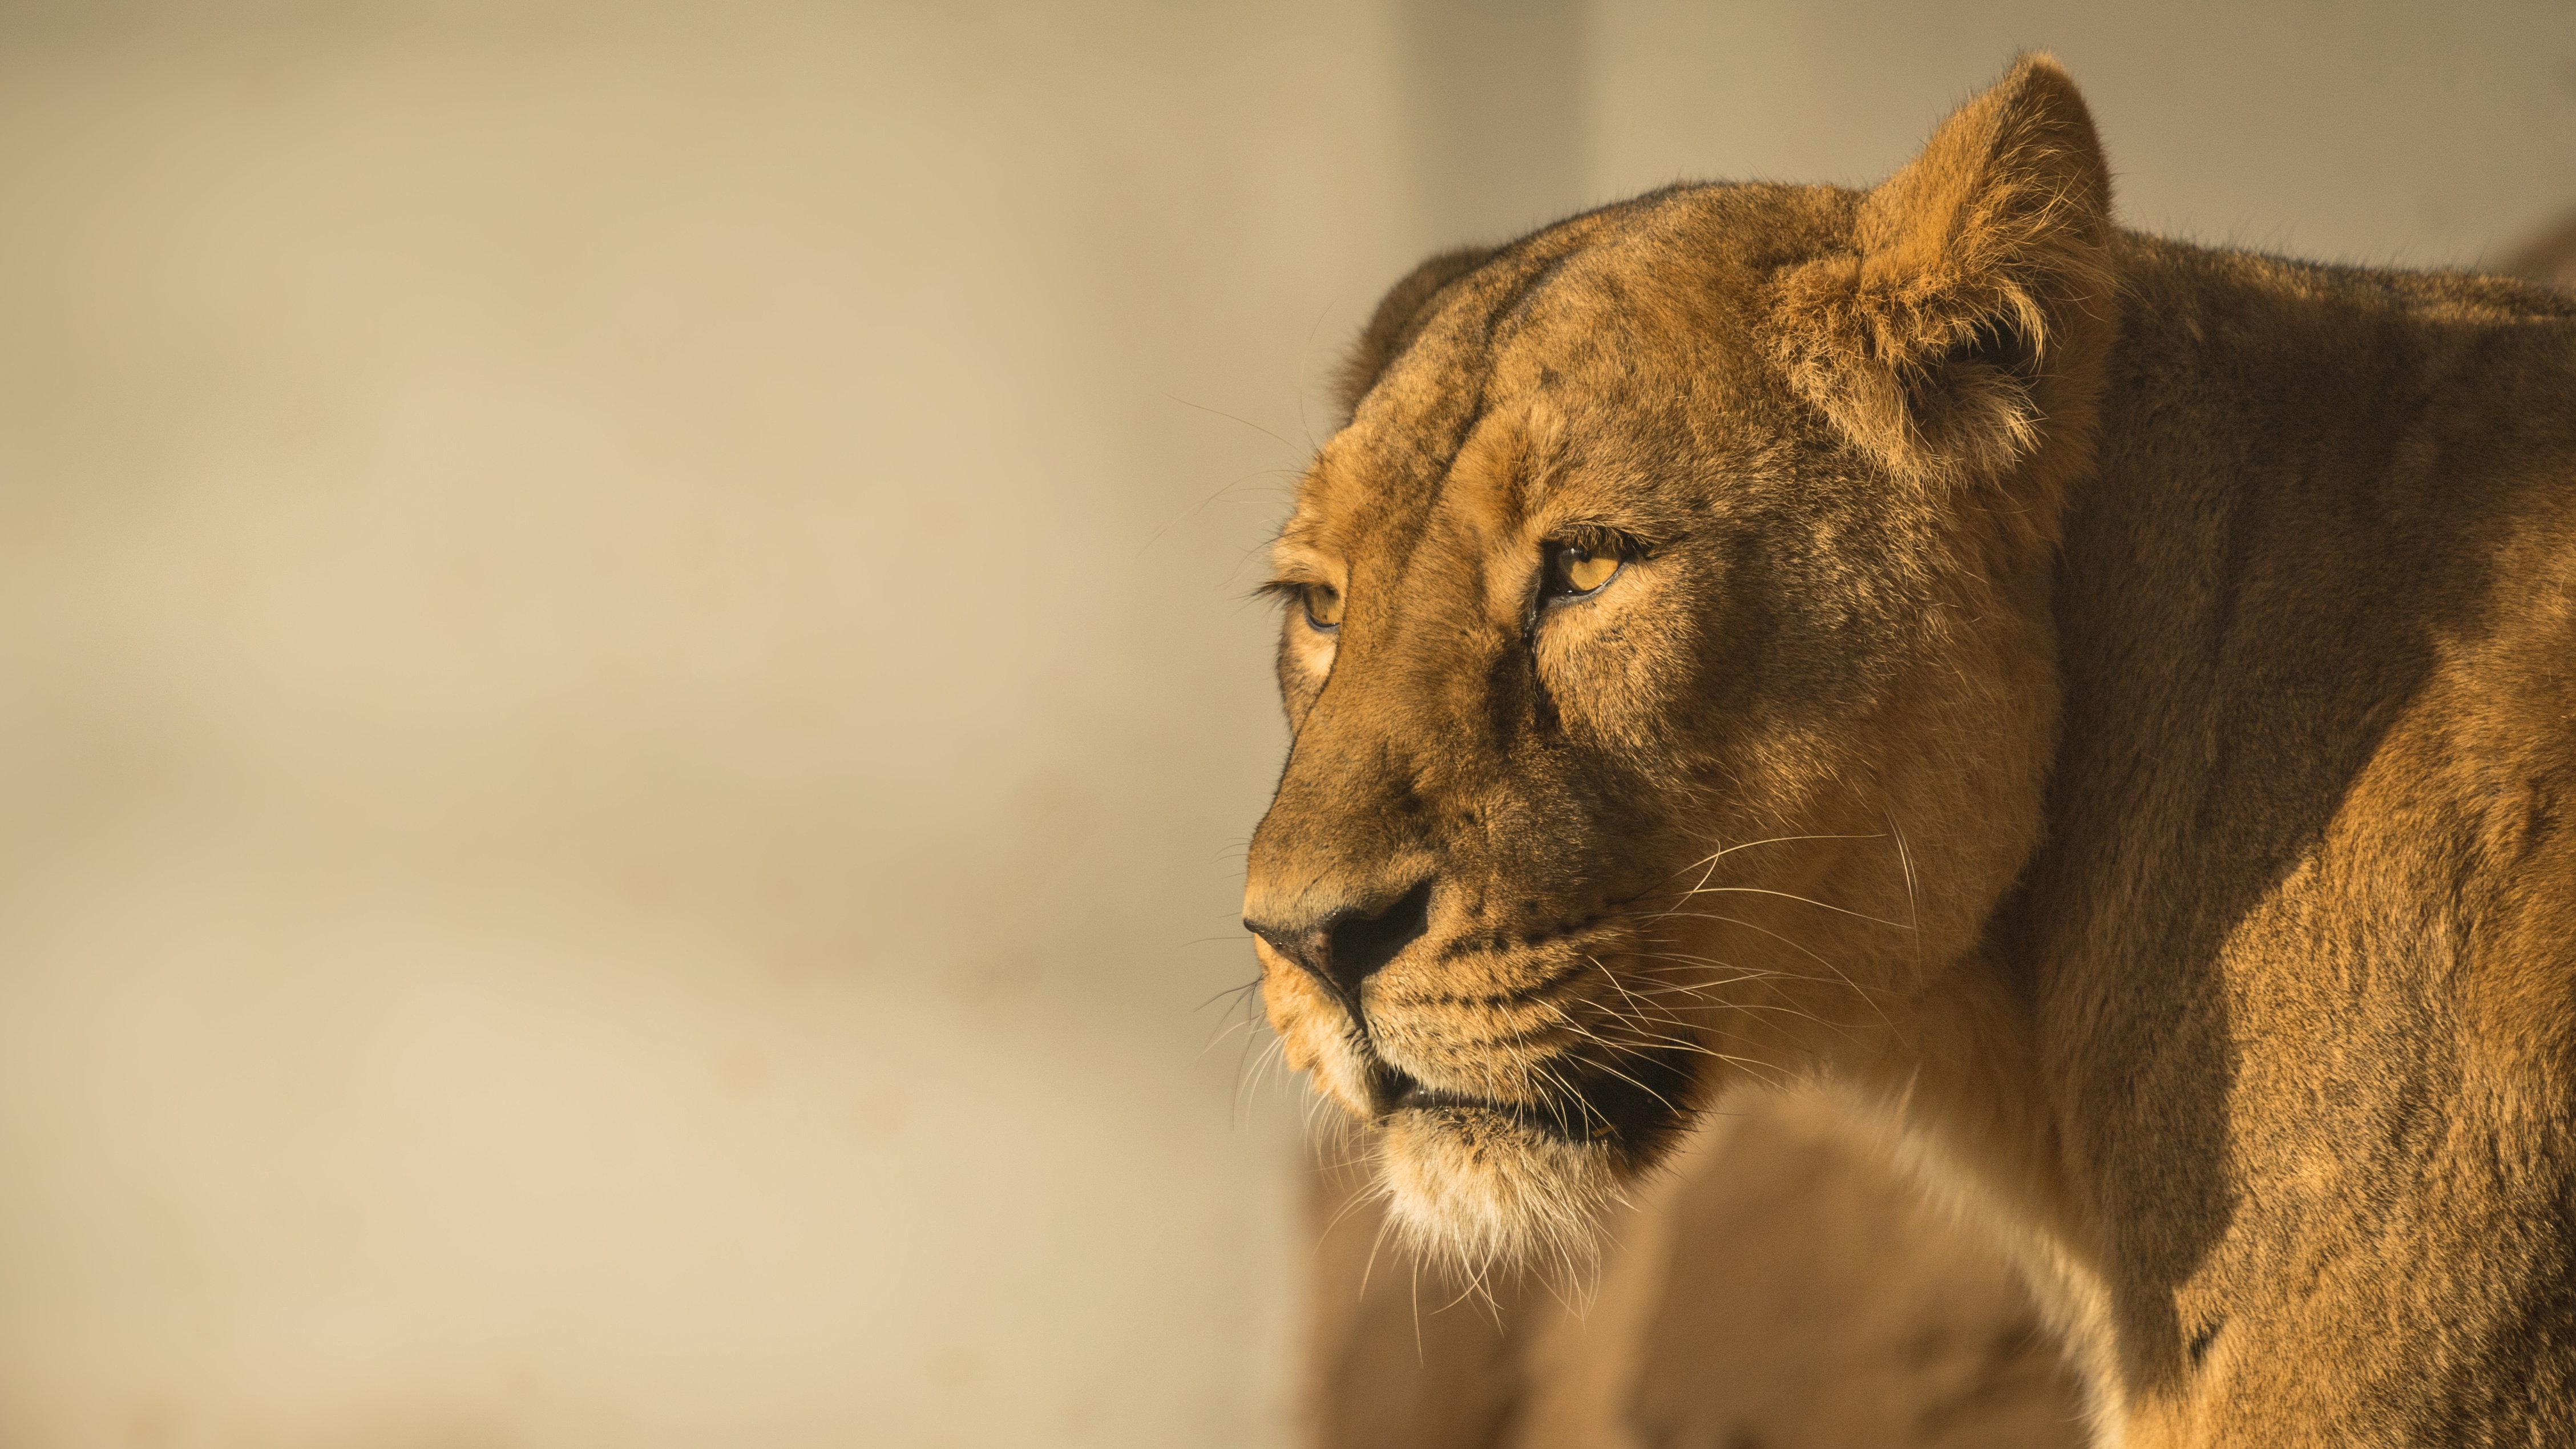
(1667, 655)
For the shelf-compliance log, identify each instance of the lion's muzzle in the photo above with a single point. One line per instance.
(1338, 942)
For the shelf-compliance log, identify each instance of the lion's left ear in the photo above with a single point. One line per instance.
(1968, 319)
(1397, 318)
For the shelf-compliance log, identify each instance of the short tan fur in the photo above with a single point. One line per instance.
(2111, 703)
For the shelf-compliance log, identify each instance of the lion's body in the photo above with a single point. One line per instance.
(2302, 937)
(2112, 702)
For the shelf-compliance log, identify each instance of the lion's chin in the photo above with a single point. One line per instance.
(1480, 1187)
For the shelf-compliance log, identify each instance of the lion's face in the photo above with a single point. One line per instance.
(1656, 723)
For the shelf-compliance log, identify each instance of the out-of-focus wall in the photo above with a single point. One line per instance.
(2379, 132)
(624, 701)
(627, 710)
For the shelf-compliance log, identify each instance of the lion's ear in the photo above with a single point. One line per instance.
(1397, 318)
(1970, 314)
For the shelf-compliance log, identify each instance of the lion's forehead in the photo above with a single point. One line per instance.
(1607, 371)
(1447, 538)
(1373, 505)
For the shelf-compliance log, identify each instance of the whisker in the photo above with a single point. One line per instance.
(1774, 840)
(1222, 1035)
(1385, 1225)
(1842, 1028)
(1235, 991)
(1349, 1205)
(1913, 897)
(1802, 900)
(1857, 989)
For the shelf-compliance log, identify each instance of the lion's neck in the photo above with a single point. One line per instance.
(2236, 942)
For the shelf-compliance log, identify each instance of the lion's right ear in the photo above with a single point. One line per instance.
(1397, 318)
(1969, 317)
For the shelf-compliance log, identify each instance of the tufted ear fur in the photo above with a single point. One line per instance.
(1969, 317)
(1397, 318)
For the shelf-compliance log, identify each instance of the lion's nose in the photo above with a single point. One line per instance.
(1344, 945)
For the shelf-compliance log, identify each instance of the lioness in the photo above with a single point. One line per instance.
(2109, 702)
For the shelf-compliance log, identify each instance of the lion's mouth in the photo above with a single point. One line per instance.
(1569, 1120)
(1633, 1105)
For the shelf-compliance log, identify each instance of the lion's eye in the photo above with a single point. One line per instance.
(1323, 606)
(1573, 569)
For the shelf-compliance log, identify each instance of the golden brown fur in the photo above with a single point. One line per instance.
(2112, 703)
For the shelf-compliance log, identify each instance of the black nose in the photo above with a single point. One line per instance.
(1347, 945)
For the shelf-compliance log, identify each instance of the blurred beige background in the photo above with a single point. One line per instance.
(626, 710)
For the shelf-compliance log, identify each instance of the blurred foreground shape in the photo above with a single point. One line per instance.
(2549, 257)
(1785, 1285)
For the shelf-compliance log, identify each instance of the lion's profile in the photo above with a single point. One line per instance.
(2110, 703)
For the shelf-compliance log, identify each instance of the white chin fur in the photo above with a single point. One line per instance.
(1478, 1190)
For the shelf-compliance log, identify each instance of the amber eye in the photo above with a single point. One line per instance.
(1574, 569)
(1323, 606)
